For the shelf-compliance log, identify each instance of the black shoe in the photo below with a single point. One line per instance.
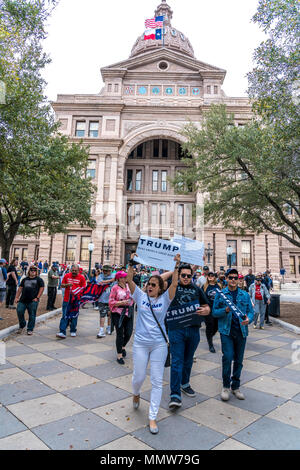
(124, 353)
(269, 323)
(211, 348)
(121, 361)
(188, 391)
(175, 403)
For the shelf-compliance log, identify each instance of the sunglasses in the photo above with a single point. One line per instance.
(258, 279)
(151, 284)
(233, 278)
(189, 276)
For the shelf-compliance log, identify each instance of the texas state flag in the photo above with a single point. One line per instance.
(158, 34)
(149, 34)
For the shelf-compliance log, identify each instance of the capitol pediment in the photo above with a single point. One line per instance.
(162, 62)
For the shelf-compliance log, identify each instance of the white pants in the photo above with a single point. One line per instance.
(157, 354)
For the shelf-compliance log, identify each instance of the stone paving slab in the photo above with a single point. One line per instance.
(72, 394)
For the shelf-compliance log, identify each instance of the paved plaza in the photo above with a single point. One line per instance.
(72, 394)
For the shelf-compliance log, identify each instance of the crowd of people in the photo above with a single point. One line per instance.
(170, 308)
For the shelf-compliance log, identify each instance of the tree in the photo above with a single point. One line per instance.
(42, 177)
(251, 175)
(240, 170)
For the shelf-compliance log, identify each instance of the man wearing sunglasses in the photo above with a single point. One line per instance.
(183, 322)
(28, 296)
(233, 324)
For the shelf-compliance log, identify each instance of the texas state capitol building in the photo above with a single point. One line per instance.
(133, 128)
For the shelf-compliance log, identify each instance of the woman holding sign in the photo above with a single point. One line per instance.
(150, 340)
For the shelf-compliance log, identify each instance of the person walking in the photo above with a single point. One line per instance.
(28, 296)
(53, 279)
(3, 278)
(267, 280)
(249, 279)
(210, 288)
(105, 278)
(150, 339)
(233, 309)
(70, 282)
(183, 320)
(45, 267)
(121, 307)
(260, 297)
(11, 284)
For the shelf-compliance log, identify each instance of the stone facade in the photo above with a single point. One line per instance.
(133, 128)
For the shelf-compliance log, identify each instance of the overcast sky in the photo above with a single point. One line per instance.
(85, 35)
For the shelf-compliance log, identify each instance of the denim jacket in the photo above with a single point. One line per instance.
(224, 319)
(263, 290)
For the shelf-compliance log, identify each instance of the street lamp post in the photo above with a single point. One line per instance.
(209, 252)
(108, 250)
(229, 255)
(91, 249)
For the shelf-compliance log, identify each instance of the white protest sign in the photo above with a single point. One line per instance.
(157, 253)
(191, 251)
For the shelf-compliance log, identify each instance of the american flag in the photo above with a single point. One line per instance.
(155, 23)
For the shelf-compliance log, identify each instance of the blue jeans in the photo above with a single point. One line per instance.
(64, 322)
(183, 344)
(233, 348)
(21, 309)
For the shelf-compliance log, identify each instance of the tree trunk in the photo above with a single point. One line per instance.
(5, 249)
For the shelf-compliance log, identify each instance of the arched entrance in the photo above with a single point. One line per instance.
(152, 206)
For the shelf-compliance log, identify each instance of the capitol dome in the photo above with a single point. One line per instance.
(173, 39)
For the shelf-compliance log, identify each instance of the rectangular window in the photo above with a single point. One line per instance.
(109, 87)
(130, 208)
(71, 248)
(164, 181)
(215, 90)
(91, 169)
(165, 148)
(233, 260)
(137, 215)
(138, 180)
(208, 89)
(116, 88)
(155, 180)
(292, 265)
(155, 148)
(24, 253)
(180, 215)
(17, 253)
(189, 215)
(139, 153)
(129, 180)
(94, 129)
(80, 129)
(246, 253)
(154, 215)
(163, 215)
(84, 248)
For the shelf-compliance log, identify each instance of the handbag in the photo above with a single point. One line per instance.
(168, 360)
(123, 314)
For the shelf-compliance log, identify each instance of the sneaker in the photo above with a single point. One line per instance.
(212, 349)
(61, 336)
(261, 328)
(254, 326)
(238, 394)
(269, 323)
(108, 331)
(188, 391)
(121, 361)
(30, 333)
(73, 335)
(175, 403)
(96, 308)
(101, 333)
(20, 331)
(225, 394)
(12, 307)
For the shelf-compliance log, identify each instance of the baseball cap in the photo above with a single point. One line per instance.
(205, 268)
(241, 276)
(231, 271)
(3, 261)
(120, 274)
